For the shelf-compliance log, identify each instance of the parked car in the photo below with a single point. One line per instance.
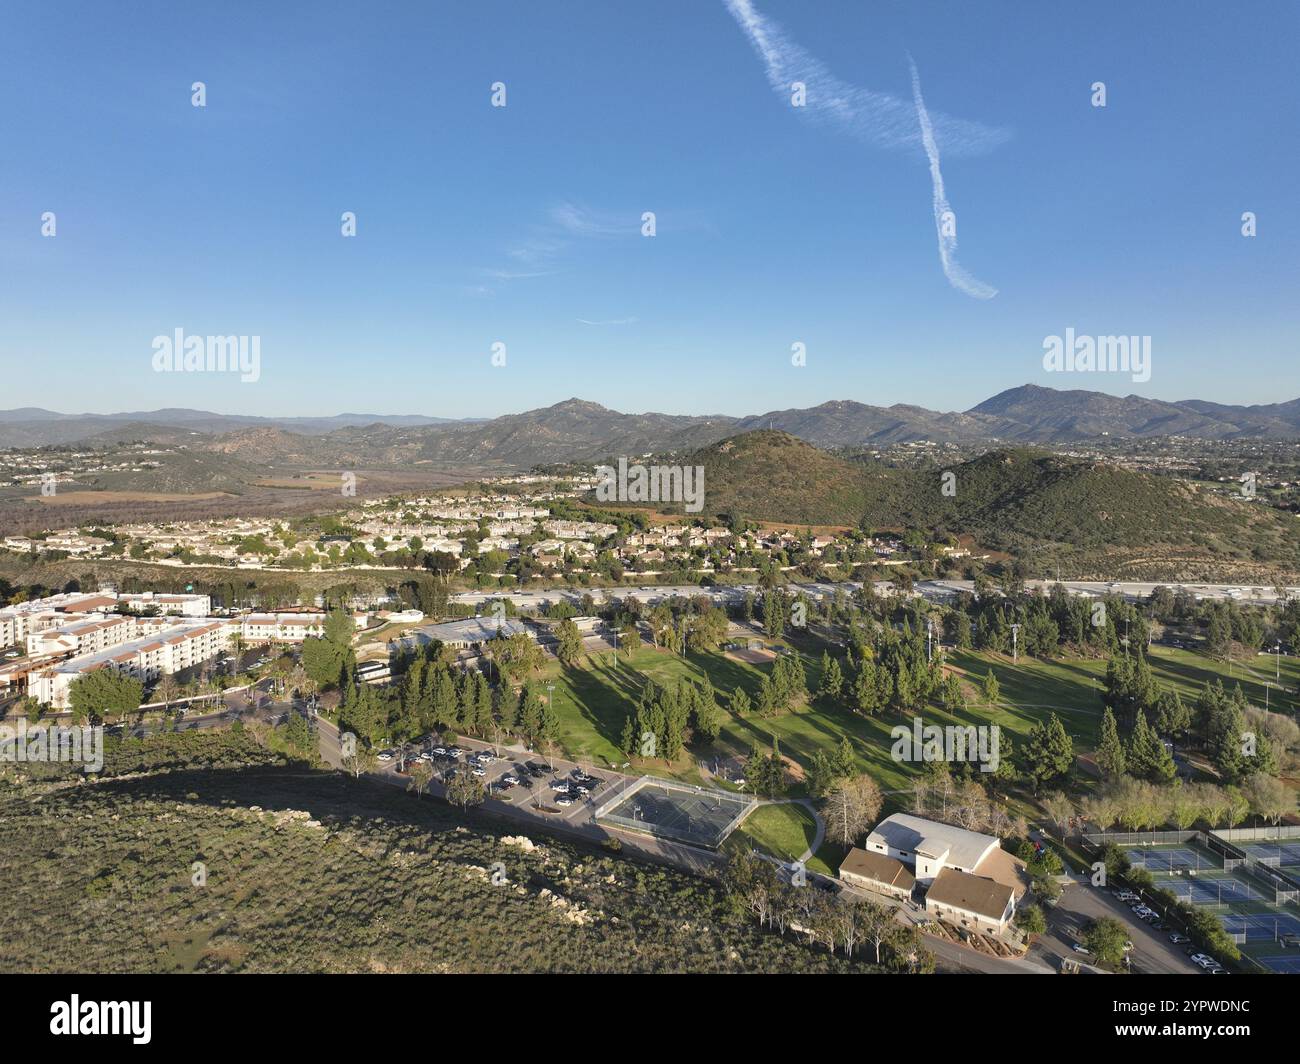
(1178, 939)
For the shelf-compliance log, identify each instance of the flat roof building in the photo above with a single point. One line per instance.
(461, 634)
(930, 846)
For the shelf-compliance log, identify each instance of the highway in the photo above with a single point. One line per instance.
(936, 590)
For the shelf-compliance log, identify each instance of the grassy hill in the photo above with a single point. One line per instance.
(773, 476)
(1008, 499)
(311, 871)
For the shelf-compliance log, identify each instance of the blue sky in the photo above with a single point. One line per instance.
(522, 224)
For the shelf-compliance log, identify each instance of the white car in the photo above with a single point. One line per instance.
(385, 755)
(1204, 960)
(479, 771)
(1080, 949)
(563, 799)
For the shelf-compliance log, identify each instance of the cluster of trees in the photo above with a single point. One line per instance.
(765, 773)
(328, 659)
(939, 795)
(884, 669)
(1138, 805)
(825, 770)
(102, 693)
(667, 717)
(1143, 756)
(785, 685)
(434, 695)
(837, 924)
(1239, 740)
(679, 624)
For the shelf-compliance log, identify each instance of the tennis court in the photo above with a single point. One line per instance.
(1173, 859)
(1285, 854)
(702, 816)
(1285, 963)
(1196, 875)
(1209, 888)
(1257, 926)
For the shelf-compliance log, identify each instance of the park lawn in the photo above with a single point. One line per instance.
(593, 701)
(1072, 686)
(785, 831)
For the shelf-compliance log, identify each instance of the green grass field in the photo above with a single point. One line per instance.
(593, 701)
(785, 831)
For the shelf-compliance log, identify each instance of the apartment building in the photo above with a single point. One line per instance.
(89, 635)
(281, 627)
(147, 658)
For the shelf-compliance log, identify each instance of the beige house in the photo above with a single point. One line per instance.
(969, 901)
(875, 871)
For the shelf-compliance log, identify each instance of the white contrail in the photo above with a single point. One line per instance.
(877, 117)
(944, 220)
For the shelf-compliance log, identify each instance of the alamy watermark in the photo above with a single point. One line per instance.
(930, 742)
(656, 483)
(81, 745)
(179, 353)
(1098, 354)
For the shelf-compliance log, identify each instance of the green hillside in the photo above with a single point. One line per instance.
(1009, 499)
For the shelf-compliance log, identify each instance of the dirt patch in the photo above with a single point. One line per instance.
(83, 498)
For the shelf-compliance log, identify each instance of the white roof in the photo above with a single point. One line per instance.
(472, 629)
(905, 832)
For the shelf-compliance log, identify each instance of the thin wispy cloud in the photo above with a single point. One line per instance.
(944, 219)
(612, 321)
(880, 118)
(541, 251)
(585, 222)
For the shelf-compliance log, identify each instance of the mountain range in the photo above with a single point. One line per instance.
(578, 430)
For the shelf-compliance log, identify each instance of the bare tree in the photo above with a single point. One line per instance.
(851, 808)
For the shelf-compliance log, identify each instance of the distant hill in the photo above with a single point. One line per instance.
(34, 427)
(768, 475)
(1006, 498)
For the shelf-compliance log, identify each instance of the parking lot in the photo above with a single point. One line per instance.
(1152, 952)
(561, 790)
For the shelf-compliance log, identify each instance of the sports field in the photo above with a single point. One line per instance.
(1282, 854)
(593, 701)
(666, 809)
(1244, 903)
